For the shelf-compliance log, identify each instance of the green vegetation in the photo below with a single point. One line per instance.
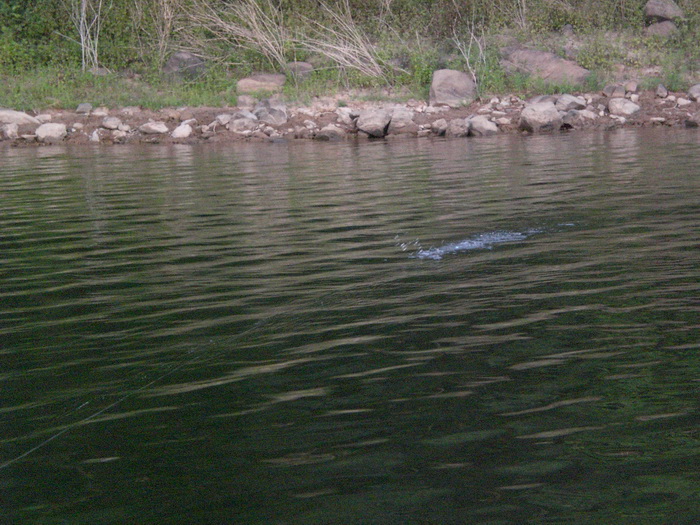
(49, 47)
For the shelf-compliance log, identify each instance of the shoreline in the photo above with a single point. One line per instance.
(332, 119)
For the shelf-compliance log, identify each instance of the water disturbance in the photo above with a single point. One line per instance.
(483, 331)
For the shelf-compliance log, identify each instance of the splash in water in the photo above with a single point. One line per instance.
(483, 241)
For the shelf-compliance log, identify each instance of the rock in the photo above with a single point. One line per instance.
(347, 116)
(374, 122)
(130, 111)
(9, 131)
(100, 112)
(622, 107)
(631, 86)
(44, 117)
(183, 131)
(154, 128)
(503, 121)
(118, 135)
(111, 123)
(481, 126)
(693, 121)
(330, 132)
(575, 119)
(451, 88)
(402, 122)
(660, 10)
(539, 117)
(661, 29)
(439, 127)
(170, 114)
(661, 91)
(95, 136)
(634, 97)
(271, 112)
(614, 91)
(567, 102)
(184, 65)
(225, 118)
(683, 102)
(240, 125)
(542, 98)
(51, 132)
(78, 126)
(243, 113)
(458, 127)
(300, 69)
(542, 64)
(694, 93)
(84, 108)
(10, 116)
(124, 127)
(264, 82)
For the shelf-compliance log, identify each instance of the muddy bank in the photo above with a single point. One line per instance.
(332, 119)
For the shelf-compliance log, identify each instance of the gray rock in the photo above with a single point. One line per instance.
(271, 112)
(182, 131)
(631, 86)
(402, 122)
(330, 132)
(10, 116)
(154, 128)
(84, 108)
(543, 98)
(9, 131)
(693, 121)
(578, 119)
(240, 125)
(544, 65)
(243, 113)
(184, 65)
(660, 10)
(481, 126)
(540, 117)
(661, 91)
(567, 102)
(347, 116)
(458, 127)
(439, 127)
(300, 69)
(111, 123)
(622, 107)
(694, 93)
(224, 118)
(374, 122)
(661, 29)
(451, 88)
(44, 117)
(265, 82)
(51, 132)
(614, 91)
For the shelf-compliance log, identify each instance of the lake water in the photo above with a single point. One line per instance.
(488, 331)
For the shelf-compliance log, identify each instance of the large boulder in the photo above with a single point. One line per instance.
(694, 93)
(622, 107)
(544, 65)
(481, 126)
(374, 122)
(660, 10)
(51, 132)
(184, 65)
(267, 82)
(539, 117)
(10, 116)
(451, 88)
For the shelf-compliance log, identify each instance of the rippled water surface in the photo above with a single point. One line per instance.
(471, 331)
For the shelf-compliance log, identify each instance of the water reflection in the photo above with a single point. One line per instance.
(257, 322)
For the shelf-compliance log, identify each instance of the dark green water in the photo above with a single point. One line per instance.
(496, 331)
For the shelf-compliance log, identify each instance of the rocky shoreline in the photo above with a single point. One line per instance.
(330, 119)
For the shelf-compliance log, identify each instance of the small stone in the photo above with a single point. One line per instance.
(111, 123)
(51, 132)
(118, 135)
(614, 91)
(330, 132)
(154, 128)
(84, 108)
(44, 117)
(659, 120)
(124, 127)
(481, 126)
(661, 91)
(457, 127)
(631, 86)
(683, 102)
(78, 126)
(183, 131)
(634, 98)
(439, 127)
(95, 136)
(694, 93)
(100, 112)
(10, 131)
(622, 107)
(130, 111)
